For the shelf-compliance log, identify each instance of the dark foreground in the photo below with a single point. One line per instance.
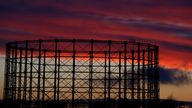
(96, 104)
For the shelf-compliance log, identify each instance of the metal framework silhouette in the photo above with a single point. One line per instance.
(82, 72)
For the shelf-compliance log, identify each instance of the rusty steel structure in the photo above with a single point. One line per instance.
(80, 72)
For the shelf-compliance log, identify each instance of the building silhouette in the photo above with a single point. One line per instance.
(81, 73)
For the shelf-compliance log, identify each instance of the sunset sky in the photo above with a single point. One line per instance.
(166, 23)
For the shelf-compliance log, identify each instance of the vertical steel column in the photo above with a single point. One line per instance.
(90, 73)
(58, 75)
(44, 67)
(73, 79)
(55, 72)
(31, 76)
(109, 71)
(7, 72)
(138, 73)
(143, 79)
(125, 69)
(15, 72)
(12, 72)
(155, 68)
(20, 72)
(133, 75)
(105, 79)
(152, 74)
(39, 72)
(90, 76)
(148, 75)
(158, 72)
(156, 62)
(119, 75)
(25, 72)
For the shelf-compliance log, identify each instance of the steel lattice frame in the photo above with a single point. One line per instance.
(78, 71)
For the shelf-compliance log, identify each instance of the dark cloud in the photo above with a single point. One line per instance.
(175, 29)
(167, 76)
(163, 44)
(143, 23)
(14, 31)
(45, 6)
(174, 76)
(28, 8)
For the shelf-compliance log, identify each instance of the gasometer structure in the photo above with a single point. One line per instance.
(77, 72)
